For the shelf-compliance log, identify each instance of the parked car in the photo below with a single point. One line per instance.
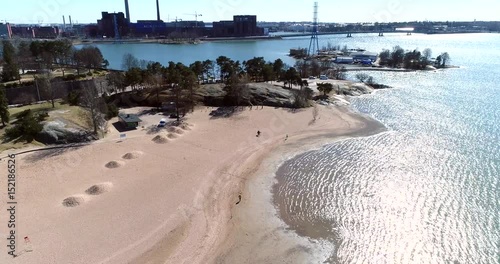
(323, 77)
(162, 123)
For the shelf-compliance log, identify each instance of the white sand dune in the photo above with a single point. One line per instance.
(176, 205)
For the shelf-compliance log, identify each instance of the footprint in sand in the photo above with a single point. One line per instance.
(74, 201)
(99, 189)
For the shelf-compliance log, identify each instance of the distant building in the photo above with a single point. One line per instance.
(23, 31)
(32, 32)
(46, 32)
(89, 31)
(111, 22)
(223, 29)
(4, 30)
(240, 26)
(155, 28)
(148, 28)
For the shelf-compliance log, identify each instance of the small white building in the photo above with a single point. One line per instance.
(364, 55)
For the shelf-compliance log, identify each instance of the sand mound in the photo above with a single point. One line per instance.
(133, 155)
(179, 131)
(186, 126)
(99, 188)
(160, 139)
(114, 164)
(171, 129)
(73, 201)
(172, 136)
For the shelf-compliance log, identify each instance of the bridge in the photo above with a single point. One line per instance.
(348, 34)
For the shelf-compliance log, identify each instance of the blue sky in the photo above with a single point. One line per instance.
(51, 11)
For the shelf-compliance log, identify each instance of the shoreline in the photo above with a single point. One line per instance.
(174, 211)
(258, 233)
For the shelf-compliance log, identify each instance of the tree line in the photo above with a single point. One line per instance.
(414, 59)
(46, 56)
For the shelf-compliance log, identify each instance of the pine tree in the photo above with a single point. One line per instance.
(4, 106)
(10, 68)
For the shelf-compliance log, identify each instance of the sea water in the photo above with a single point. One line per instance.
(425, 191)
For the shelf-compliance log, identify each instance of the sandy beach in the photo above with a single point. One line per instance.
(172, 197)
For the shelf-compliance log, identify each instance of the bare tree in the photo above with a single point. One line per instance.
(129, 61)
(427, 54)
(47, 88)
(95, 107)
(117, 80)
(445, 58)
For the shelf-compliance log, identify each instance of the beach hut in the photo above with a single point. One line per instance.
(129, 120)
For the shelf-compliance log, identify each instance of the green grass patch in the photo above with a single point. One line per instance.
(37, 108)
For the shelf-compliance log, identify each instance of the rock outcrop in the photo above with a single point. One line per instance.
(258, 94)
(56, 132)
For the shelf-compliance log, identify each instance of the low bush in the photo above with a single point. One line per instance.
(27, 126)
(112, 111)
(73, 98)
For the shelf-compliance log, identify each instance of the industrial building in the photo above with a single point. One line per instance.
(113, 25)
(154, 28)
(35, 32)
(5, 30)
(240, 26)
(118, 25)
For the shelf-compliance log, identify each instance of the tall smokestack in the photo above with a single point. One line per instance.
(70, 22)
(127, 11)
(64, 23)
(158, 9)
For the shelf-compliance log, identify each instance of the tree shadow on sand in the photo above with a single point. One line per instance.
(226, 112)
(38, 155)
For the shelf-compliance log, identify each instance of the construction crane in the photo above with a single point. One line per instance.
(196, 15)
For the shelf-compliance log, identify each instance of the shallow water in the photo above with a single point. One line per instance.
(426, 191)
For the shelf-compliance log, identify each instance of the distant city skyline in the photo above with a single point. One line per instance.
(51, 11)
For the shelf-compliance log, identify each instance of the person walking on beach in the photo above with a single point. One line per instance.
(286, 138)
(258, 133)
